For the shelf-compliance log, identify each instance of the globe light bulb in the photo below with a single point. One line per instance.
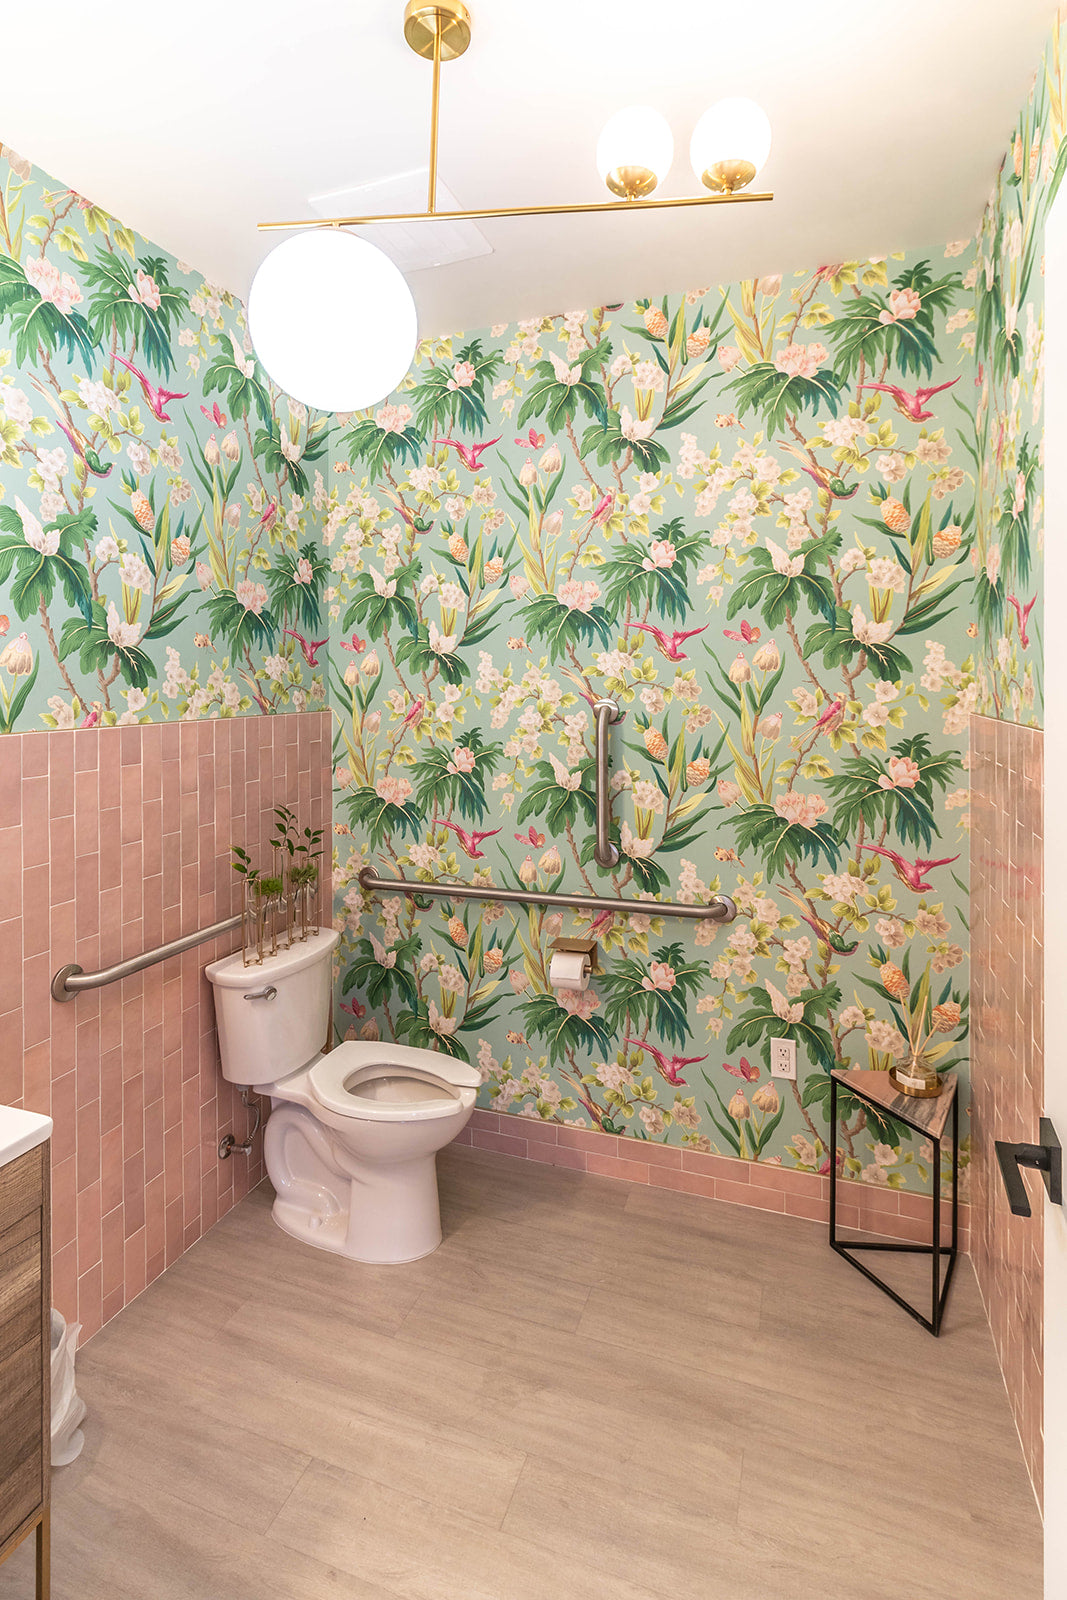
(332, 320)
(635, 151)
(730, 144)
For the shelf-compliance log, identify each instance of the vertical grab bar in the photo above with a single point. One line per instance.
(606, 712)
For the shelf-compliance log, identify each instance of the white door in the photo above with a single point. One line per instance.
(1055, 642)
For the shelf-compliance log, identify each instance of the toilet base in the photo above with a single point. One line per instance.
(383, 1213)
(332, 1234)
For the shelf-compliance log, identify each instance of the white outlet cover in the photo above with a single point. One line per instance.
(413, 246)
(784, 1058)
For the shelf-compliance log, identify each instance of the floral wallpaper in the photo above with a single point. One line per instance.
(748, 514)
(793, 525)
(1009, 413)
(160, 551)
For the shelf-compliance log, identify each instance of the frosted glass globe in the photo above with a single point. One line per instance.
(731, 138)
(635, 151)
(332, 320)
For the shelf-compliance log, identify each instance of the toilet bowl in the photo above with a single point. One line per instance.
(353, 1134)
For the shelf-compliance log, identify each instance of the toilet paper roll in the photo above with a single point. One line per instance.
(569, 969)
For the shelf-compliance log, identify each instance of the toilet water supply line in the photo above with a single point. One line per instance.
(228, 1143)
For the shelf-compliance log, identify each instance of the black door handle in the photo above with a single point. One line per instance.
(1046, 1158)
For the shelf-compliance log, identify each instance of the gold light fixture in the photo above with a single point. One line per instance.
(730, 143)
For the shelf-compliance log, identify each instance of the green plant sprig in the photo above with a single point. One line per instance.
(243, 864)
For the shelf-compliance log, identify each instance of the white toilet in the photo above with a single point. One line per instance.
(351, 1140)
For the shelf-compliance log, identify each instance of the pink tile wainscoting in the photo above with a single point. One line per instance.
(1007, 1071)
(113, 841)
(888, 1212)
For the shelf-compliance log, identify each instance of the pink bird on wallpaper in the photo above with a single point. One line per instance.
(603, 506)
(414, 712)
(157, 400)
(670, 643)
(471, 454)
(1023, 614)
(469, 841)
(669, 1067)
(310, 647)
(911, 405)
(827, 481)
(831, 714)
(911, 873)
(269, 514)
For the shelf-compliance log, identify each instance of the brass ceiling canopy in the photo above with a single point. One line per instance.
(448, 21)
(440, 31)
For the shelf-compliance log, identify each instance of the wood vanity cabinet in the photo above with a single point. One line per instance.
(25, 1355)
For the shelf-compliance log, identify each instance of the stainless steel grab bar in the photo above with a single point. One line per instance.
(71, 980)
(606, 712)
(720, 909)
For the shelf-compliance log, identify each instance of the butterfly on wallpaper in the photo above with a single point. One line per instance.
(534, 439)
(215, 415)
(5, 623)
(533, 837)
(355, 644)
(748, 634)
(744, 1070)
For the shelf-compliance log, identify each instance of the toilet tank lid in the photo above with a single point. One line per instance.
(231, 972)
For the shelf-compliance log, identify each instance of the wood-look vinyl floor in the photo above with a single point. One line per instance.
(591, 1391)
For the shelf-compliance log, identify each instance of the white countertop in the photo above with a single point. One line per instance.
(20, 1131)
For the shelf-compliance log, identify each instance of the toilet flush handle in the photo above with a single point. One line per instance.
(268, 993)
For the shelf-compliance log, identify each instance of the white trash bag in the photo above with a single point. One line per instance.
(68, 1408)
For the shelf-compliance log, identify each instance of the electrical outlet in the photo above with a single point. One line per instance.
(783, 1058)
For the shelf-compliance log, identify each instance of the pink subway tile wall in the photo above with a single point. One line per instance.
(1007, 1070)
(886, 1212)
(113, 841)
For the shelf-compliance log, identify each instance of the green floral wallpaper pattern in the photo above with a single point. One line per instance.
(1008, 413)
(752, 513)
(160, 549)
(748, 514)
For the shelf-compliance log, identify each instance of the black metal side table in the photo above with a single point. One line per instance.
(930, 1118)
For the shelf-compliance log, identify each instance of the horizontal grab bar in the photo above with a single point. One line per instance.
(72, 980)
(721, 908)
(69, 981)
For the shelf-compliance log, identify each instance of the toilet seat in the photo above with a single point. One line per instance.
(391, 1083)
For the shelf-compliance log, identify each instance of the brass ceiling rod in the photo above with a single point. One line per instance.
(440, 30)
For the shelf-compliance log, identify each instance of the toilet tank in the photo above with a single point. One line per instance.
(264, 1036)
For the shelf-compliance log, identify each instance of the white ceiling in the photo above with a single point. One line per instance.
(193, 123)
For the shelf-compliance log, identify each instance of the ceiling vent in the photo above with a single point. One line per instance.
(414, 246)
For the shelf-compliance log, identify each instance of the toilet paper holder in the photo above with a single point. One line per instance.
(585, 947)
